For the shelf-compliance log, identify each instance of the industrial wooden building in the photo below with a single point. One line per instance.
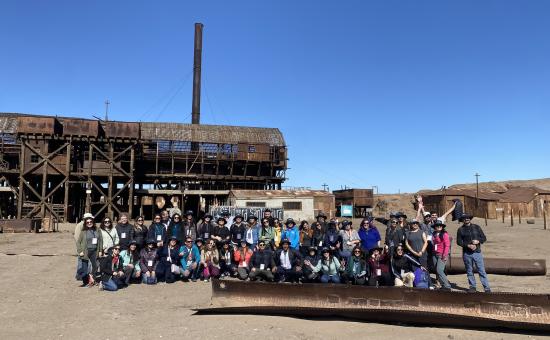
(442, 200)
(362, 200)
(527, 201)
(62, 166)
(297, 204)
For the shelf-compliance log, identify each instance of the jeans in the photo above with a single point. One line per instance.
(469, 260)
(439, 265)
(110, 285)
(330, 278)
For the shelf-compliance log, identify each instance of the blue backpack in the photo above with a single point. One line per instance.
(421, 278)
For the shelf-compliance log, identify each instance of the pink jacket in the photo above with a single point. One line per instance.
(441, 245)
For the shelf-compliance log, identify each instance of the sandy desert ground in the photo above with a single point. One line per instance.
(41, 300)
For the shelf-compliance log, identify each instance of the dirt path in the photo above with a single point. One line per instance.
(41, 299)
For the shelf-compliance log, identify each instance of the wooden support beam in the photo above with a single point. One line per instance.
(67, 184)
(21, 183)
(110, 185)
(131, 190)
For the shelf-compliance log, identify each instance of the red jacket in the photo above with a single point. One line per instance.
(382, 264)
(441, 245)
(240, 258)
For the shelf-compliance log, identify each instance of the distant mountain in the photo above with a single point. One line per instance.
(543, 183)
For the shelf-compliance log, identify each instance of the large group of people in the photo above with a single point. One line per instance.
(175, 247)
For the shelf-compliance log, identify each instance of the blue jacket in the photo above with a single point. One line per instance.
(293, 235)
(156, 230)
(369, 238)
(255, 235)
(195, 256)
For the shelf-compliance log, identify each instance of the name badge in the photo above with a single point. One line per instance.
(331, 238)
(188, 232)
(94, 240)
(150, 263)
(320, 243)
(245, 264)
(402, 273)
(159, 237)
(262, 266)
(429, 238)
(435, 247)
(123, 235)
(189, 263)
(238, 236)
(206, 235)
(378, 272)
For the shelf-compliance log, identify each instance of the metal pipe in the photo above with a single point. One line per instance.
(502, 266)
(384, 304)
(196, 107)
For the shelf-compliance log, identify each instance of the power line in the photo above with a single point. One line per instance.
(172, 98)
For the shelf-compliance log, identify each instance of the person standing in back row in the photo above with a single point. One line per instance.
(470, 237)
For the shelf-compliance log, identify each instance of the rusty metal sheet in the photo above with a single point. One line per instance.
(121, 130)
(24, 225)
(80, 127)
(396, 304)
(41, 125)
(502, 266)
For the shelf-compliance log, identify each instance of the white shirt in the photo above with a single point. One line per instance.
(285, 261)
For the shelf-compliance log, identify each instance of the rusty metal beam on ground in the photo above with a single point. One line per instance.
(502, 266)
(515, 311)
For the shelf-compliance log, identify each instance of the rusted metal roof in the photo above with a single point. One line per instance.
(222, 134)
(521, 194)
(259, 194)
(484, 195)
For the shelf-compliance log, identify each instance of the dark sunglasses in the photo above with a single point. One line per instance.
(261, 245)
(188, 241)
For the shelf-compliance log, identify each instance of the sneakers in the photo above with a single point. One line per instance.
(487, 290)
(100, 286)
(205, 280)
(472, 290)
(445, 289)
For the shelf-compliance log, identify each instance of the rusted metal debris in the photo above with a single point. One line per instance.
(384, 304)
(23, 225)
(502, 266)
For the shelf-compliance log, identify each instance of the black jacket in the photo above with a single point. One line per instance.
(140, 236)
(176, 229)
(466, 234)
(293, 256)
(331, 238)
(459, 209)
(107, 267)
(237, 232)
(126, 230)
(260, 257)
(206, 230)
(394, 237)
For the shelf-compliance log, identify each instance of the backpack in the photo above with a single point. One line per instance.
(421, 278)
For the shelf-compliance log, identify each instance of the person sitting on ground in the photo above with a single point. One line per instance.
(379, 267)
(402, 267)
(266, 233)
(288, 263)
(329, 267)
(310, 261)
(470, 237)
(157, 231)
(306, 238)
(168, 269)
(190, 258)
(206, 229)
(292, 234)
(210, 260)
(261, 263)
(237, 230)
(369, 235)
(350, 239)
(89, 247)
(356, 268)
(251, 233)
(221, 234)
(242, 257)
(416, 242)
(125, 231)
(441, 249)
(130, 262)
(148, 262)
(112, 271)
(140, 232)
(227, 267)
(109, 235)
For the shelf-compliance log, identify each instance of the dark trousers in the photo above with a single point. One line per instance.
(288, 274)
(309, 276)
(382, 280)
(264, 274)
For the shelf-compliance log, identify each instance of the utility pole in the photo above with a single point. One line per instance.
(325, 187)
(107, 102)
(477, 189)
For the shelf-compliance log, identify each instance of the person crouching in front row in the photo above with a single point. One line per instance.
(168, 269)
(148, 262)
(356, 268)
(288, 263)
(227, 267)
(242, 256)
(112, 273)
(190, 256)
(402, 266)
(329, 267)
(261, 263)
(379, 267)
(311, 260)
(130, 262)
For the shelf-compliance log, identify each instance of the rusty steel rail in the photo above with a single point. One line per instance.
(384, 304)
(502, 266)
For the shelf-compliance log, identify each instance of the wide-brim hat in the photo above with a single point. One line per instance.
(321, 214)
(287, 241)
(371, 250)
(310, 248)
(221, 219)
(151, 241)
(238, 216)
(439, 224)
(208, 216)
(290, 221)
(189, 212)
(132, 242)
(173, 237)
(252, 217)
(400, 214)
(326, 250)
(199, 240)
(88, 215)
(466, 216)
(414, 222)
(346, 223)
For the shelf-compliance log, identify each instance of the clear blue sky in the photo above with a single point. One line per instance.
(399, 94)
